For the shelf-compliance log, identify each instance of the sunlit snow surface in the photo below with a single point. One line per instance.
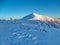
(29, 32)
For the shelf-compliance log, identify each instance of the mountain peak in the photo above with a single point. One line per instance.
(35, 16)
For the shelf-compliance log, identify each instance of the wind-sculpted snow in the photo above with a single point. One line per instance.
(29, 32)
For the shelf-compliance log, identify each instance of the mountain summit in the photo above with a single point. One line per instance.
(35, 16)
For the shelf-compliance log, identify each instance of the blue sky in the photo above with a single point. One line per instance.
(20, 8)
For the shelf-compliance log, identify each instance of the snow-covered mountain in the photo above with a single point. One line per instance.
(35, 16)
(33, 29)
(50, 21)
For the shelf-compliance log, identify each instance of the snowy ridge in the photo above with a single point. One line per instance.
(35, 16)
(48, 20)
(33, 29)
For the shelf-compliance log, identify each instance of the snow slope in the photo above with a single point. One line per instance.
(33, 29)
(35, 16)
(48, 20)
